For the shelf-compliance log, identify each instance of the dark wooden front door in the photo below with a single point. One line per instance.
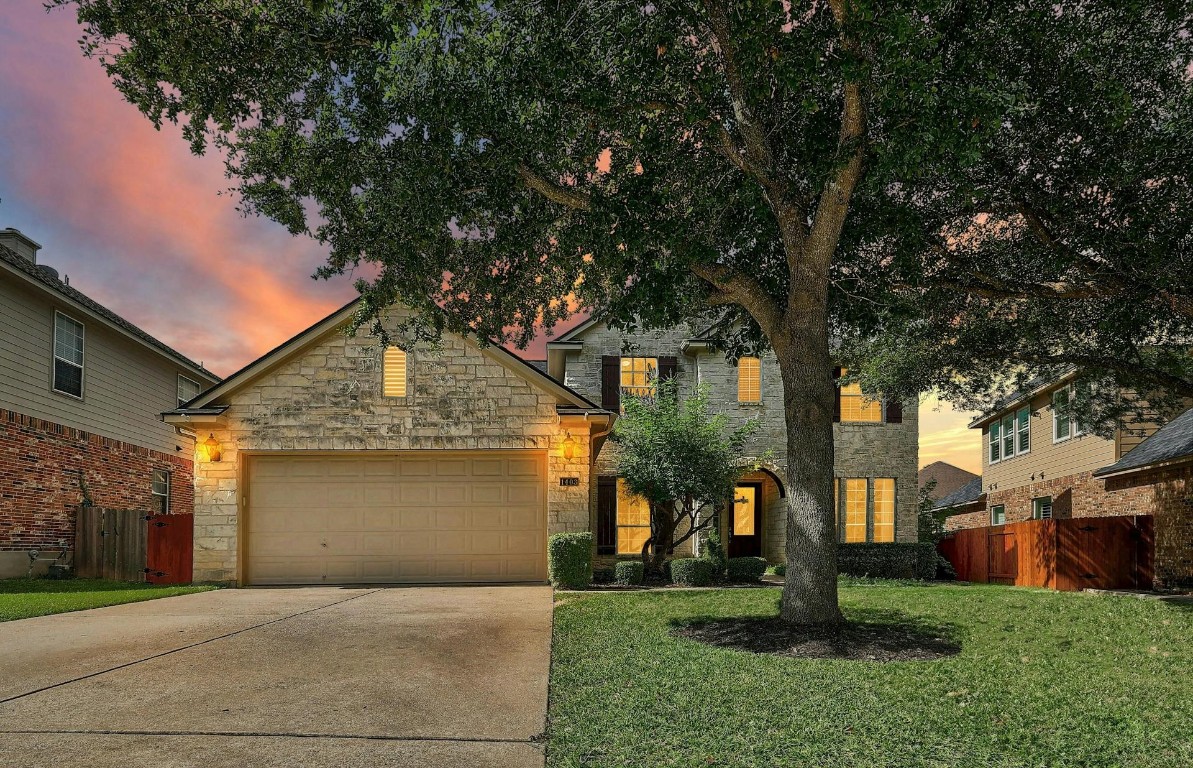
(745, 521)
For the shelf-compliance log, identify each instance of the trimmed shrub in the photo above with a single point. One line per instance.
(602, 575)
(629, 573)
(569, 560)
(925, 561)
(745, 568)
(894, 560)
(692, 571)
(714, 550)
(778, 570)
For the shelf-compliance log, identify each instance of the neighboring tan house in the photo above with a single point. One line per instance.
(81, 396)
(333, 460)
(1038, 463)
(948, 478)
(877, 443)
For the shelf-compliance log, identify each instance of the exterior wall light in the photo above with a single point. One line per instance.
(210, 448)
(569, 446)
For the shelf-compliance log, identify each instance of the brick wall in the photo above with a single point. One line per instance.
(40, 466)
(1166, 494)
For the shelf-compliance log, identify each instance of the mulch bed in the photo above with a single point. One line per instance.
(853, 641)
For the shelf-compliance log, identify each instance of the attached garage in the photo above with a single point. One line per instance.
(335, 460)
(415, 517)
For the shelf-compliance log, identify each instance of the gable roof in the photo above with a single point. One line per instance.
(1029, 390)
(46, 280)
(309, 336)
(1171, 443)
(966, 494)
(948, 477)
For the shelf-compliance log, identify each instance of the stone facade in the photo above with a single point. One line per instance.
(329, 397)
(863, 450)
(1166, 494)
(41, 465)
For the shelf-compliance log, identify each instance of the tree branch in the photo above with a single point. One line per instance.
(556, 193)
(735, 287)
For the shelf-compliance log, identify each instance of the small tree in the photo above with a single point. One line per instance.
(682, 460)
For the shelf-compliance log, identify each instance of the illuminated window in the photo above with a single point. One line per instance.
(749, 380)
(884, 509)
(745, 497)
(855, 509)
(633, 521)
(639, 376)
(393, 373)
(857, 407)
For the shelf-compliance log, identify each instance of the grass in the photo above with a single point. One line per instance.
(24, 598)
(1044, 679)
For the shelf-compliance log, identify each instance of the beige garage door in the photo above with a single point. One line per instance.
(424, 516)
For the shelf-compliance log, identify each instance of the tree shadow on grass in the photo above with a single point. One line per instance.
(869, 635)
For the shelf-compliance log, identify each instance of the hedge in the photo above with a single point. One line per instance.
(692, 571)
(628, 573)
(894, 560)
(569, 560)
(745, 568)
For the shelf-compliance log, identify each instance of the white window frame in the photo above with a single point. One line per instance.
(169, 487)
(1008, 434)
(1002, 513)
(1021, 429)
(1056, 416)
(178, 392)
(1040, 515)
(54, 357)
(994, 441)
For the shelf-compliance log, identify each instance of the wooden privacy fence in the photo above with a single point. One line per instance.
(130, 545)
(1068, 555)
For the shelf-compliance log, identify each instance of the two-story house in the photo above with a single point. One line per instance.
(1039, 463)
(81, 396)
(335, 460)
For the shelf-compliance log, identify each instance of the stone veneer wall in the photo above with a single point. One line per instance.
(329, 397)
(862, 450)
(40, 467)
(1166, 494)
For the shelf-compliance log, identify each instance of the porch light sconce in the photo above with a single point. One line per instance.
(211, 447)
(569, 446)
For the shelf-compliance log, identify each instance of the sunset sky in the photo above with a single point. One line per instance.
(141, 225)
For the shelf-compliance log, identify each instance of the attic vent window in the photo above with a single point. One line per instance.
(393, 374)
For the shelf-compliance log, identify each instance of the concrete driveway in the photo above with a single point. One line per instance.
(321, 676)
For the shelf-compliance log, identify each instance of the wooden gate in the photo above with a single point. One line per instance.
(110, 544)
(170, 552)
(1069, 555)
(130, 545)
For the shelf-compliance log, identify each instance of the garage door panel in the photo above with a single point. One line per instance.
(396, 518)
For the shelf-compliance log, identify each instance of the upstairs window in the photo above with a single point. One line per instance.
(187, 390)
(749, 380)
(855, 406)
(393, 372)
(1008, 435)
(639, 376)
(161, 491)
(995, 442)
(1022, 431)
(68, 356)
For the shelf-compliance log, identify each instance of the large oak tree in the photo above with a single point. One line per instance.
(657, 160)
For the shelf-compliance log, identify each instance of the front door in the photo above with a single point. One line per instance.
(745, 522)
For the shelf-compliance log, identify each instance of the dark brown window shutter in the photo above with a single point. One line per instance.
(606, 522)
(837, 401)
(668, 367)
(894, 411)
(611, 382)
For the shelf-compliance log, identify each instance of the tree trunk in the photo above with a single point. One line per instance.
(658, 547)
(809, 394)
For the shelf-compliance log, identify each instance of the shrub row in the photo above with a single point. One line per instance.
(893, 560)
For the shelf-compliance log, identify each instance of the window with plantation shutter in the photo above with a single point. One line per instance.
(749, 380)
(393, 373)
(68, 356)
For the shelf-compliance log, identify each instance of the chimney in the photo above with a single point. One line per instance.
(14, 239)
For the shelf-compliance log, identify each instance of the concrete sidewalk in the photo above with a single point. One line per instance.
(321, 676)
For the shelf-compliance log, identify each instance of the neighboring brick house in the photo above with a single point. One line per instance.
(333, 460)
(81, 396)
(877, 444)
(1038, 463)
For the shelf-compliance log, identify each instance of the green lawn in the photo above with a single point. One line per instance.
(1043, 680)
(23, 598)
